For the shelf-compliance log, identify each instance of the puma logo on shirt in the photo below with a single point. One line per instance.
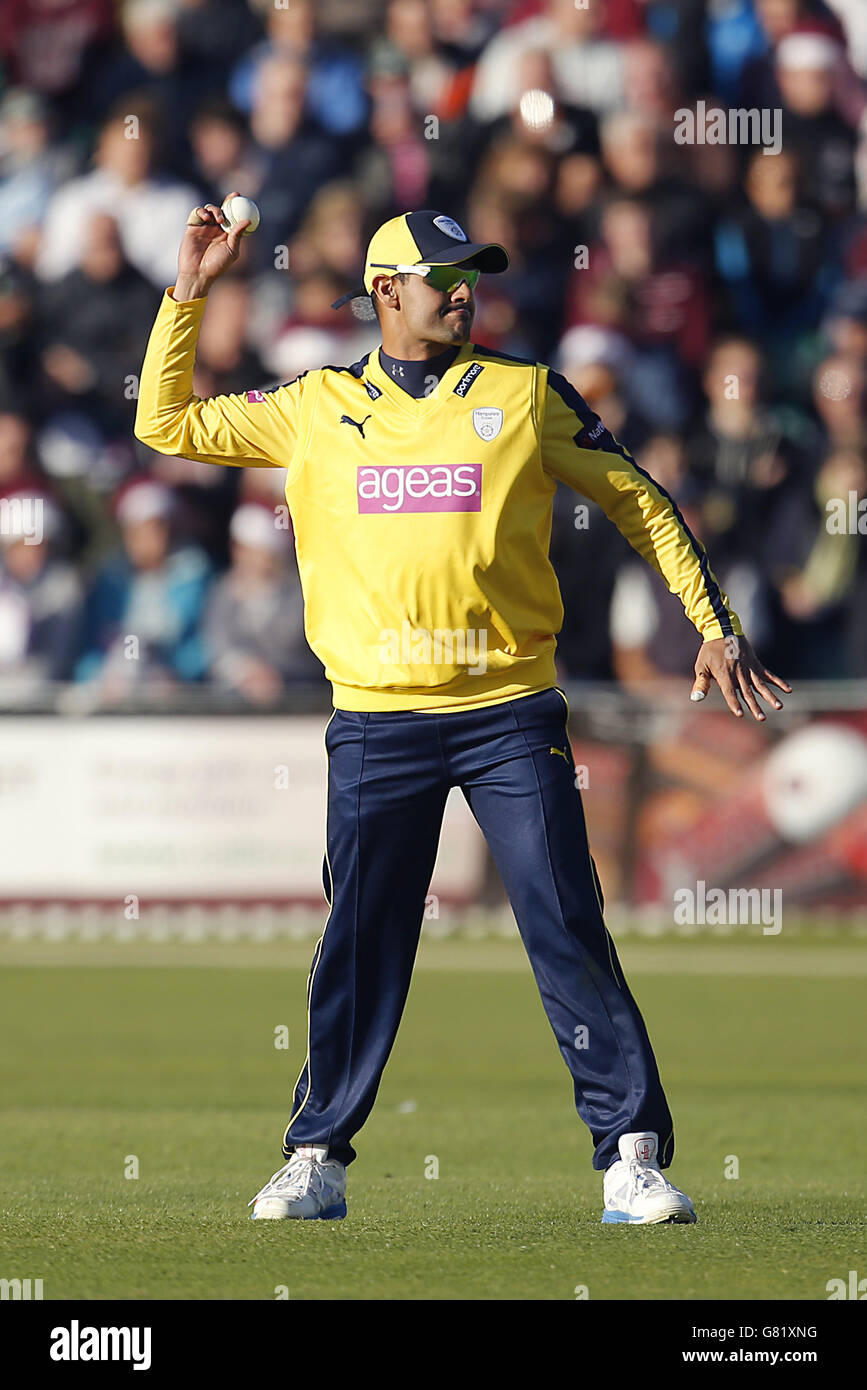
(348, 420)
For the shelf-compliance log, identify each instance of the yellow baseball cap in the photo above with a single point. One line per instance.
(425, 238)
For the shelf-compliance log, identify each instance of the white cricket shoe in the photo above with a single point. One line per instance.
(310, 1187)
(635, 1189)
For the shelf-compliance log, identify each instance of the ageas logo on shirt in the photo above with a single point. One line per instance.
(440, 487)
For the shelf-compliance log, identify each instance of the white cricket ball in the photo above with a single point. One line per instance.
(238, 209)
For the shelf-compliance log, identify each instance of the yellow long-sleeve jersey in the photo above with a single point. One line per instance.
(422, 527)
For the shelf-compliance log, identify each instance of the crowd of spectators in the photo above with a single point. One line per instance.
(709, 300)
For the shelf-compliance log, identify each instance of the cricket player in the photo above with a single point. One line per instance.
(420, 483)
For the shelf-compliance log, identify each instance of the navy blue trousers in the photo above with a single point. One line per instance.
(388, 779)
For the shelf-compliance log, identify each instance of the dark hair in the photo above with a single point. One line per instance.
(219, 108)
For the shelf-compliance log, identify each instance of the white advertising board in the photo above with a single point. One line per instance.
(181, 808)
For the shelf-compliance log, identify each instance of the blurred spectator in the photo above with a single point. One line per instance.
(331, 237)
(45, 43)
(845, 326)
(225, 361)
(840, 398)
(293, 155)
(83, 469)
(18, 346)
(586, 553)
(18, 471)
(313, 335)
(578, 182)
(741, 453)
(650, 80)
(40, 599)
(772, 252)
(660, 305)
(491, 217)
(462, 29)
(264, 486)
(680, 26)
(204, 496)
(31, 167)
(853, 16)
(395, 169)
(713, 174)
(778, 19)
(254, 627)
(588, 69)
(93, 327)
(409, 45)
(853, 256)
(632, 146)
(221, 149)
(540, 116)
(806, 65)
(142, 614)
(203, 499)
(664, 457)
(148, 63)
(598, 363)
(150, 208)
(214, 32)
(736, 428)
(650, 637)
(734, 36)
(818, 568)
(513, 187)
(334, 98)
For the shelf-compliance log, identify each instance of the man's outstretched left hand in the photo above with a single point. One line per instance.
(732, 663)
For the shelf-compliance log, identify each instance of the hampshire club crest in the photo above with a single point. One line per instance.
(488, 421)
(450, 227)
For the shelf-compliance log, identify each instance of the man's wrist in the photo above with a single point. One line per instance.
(189, 287)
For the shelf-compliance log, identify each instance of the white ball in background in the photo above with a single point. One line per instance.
(238, 209)
(813, 779)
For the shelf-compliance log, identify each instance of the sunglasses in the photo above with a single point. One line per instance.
(444, 278)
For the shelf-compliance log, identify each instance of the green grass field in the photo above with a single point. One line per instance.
(167, 1053)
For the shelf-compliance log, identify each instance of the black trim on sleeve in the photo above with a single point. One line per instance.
(594, 435)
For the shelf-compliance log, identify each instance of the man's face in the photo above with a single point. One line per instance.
(254, 562)
(808, 91)
(146, 542)
(430, 316)
(24, 562)
(129, 160)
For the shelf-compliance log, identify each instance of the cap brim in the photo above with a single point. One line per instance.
(358, 293)
(488, 257)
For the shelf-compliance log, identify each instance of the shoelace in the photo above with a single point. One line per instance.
(641, 1176)
(294, 1179)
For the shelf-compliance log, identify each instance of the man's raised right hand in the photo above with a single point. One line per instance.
(206, 251)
